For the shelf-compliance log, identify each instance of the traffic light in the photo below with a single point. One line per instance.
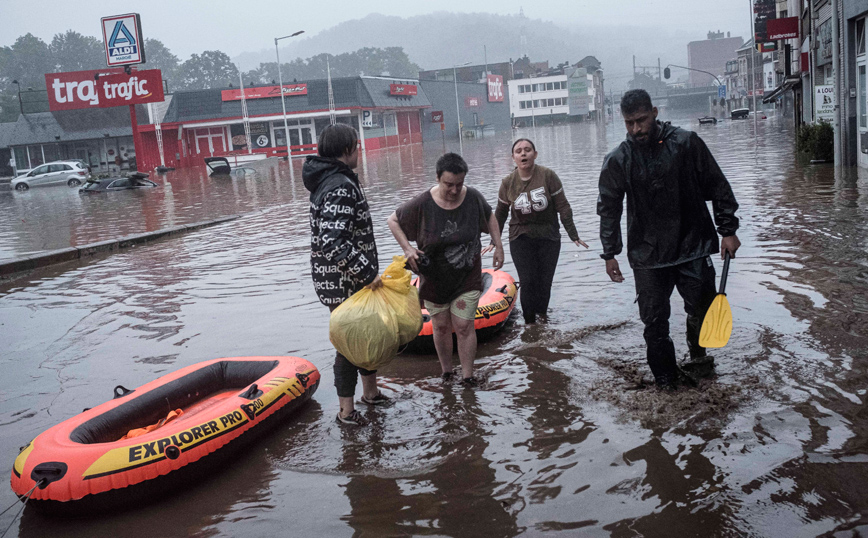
(666, 73)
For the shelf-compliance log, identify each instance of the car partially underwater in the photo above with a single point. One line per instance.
(136, 180)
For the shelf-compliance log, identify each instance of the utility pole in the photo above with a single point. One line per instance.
(836, 86)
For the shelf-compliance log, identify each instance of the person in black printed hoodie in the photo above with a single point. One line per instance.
(343, 257)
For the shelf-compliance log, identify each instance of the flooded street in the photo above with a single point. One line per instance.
(558, 441)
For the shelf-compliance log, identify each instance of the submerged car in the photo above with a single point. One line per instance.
(136, 180)
(72, 173)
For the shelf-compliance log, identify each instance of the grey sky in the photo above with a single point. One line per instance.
(191, 26)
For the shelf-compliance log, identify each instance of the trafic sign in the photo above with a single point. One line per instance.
(721, 91)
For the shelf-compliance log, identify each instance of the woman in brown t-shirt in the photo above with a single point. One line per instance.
(445, 222)
(534, 197)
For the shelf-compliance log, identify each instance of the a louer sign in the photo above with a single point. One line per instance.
(83, 89)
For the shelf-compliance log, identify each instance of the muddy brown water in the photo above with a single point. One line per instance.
(561, 439)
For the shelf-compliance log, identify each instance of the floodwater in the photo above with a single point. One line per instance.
(562, 439)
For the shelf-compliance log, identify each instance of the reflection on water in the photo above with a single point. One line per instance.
(557, 441)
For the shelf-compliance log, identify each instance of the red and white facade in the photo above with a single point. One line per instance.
(207, 123)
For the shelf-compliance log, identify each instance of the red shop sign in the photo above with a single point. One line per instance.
(471, 101)
(436, 116)
(263, 92)
(84, 89)
(495, 88)
(403, 89)
(786, 28)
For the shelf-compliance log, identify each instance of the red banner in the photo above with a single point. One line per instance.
(787, 28)
(436, 116)
(263, 92)
(495, 88)
(84, 89)
(403, 89)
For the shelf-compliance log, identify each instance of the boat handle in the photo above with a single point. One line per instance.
(304, 378)
(121, 391)
(502, 289)
(252, 393)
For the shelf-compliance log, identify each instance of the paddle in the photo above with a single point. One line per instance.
(717, 325)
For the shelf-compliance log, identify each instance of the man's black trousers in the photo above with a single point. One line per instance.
(536, 261)
(694, 281)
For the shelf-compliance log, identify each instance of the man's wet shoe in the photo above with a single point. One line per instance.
(699, 367)
(666, 383)
(447, 377)
(686, 379)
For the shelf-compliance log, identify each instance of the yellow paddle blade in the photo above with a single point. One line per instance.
(717, 325)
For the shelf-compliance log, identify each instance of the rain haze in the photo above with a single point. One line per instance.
(655, 28)
(172, 232)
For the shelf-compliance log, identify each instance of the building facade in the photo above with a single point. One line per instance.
(387, 112)
(711, 55)
(483, 111)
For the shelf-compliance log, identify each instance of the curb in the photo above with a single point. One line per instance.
(11, 266)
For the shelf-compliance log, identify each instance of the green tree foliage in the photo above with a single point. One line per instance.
(74, 52)
(391, 61)
(158, 56)
(211, 69)
(30, 58)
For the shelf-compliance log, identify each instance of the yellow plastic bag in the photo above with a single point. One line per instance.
(403, 297)
(369, 327)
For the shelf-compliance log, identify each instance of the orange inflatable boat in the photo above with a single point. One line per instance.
(499, 290)
(159, 435)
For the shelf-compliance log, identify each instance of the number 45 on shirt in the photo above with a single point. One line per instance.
(537, 196)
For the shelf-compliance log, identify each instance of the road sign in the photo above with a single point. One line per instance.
(721, 91)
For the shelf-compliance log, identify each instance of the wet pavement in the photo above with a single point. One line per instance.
(561, 439)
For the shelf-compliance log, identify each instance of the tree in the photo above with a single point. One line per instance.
(74, 52)
(27, 61)
(158, 56)
(211, 69)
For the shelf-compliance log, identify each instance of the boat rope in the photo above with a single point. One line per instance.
(29, 493)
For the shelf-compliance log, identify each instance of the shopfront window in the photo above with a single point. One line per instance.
(35, 153)
(860, 37)
(51, 153)
(863, 98)
(21, 162)
(239, 137)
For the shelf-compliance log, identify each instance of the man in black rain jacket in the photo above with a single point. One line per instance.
(667, 175)
(343, 253)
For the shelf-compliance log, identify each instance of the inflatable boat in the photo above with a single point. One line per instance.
(499, 290)
(160, 435)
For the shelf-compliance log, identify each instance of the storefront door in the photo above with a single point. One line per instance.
(210, 141)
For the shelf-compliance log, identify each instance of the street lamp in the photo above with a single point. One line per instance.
(20, 106)
(457, 107)
(283, 102)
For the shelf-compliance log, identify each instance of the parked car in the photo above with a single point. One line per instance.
(72, 173)
(136, 180)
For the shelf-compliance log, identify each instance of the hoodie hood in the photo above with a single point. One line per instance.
(317, 169)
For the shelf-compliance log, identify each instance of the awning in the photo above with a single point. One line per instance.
(787, 85)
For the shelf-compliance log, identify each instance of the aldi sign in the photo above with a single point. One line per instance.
(103, 89)
(124, 44)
